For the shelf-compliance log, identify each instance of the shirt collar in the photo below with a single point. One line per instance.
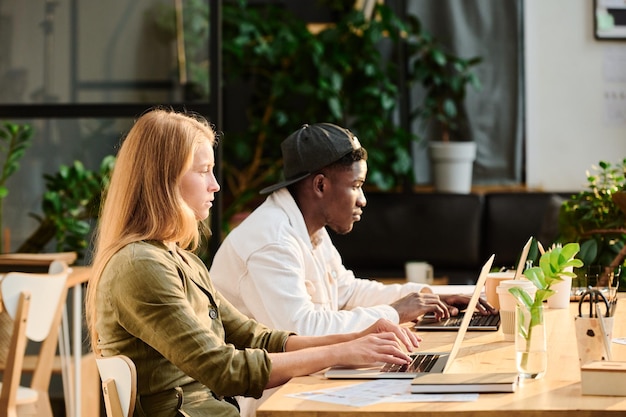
(283, 198)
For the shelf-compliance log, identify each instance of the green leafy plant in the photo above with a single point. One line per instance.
(293, 76)
(15, 139)
(593, 219)
(70, 203)
(279, 74)
(553, 265)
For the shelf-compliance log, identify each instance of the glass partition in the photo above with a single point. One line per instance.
(80, 71)
(114, 51)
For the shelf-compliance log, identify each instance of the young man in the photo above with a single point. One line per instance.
(279, 265)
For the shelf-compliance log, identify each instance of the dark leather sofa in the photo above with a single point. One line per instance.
(456, 233)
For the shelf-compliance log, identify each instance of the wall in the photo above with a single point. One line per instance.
(566, 127)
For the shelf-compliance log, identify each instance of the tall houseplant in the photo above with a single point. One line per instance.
(446, 79)
(293, 76)
(279, 75)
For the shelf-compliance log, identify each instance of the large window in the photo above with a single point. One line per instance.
(89, 51)
(80, 71)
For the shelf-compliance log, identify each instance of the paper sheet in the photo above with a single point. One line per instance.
(378, 391)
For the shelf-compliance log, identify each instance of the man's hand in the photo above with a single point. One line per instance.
(458, 302)
(417, 304)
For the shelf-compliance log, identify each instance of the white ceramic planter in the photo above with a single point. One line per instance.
(452, 164)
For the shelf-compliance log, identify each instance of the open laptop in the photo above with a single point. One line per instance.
(422, 361)
(478, 322)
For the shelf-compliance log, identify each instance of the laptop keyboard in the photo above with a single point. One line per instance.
(477, 320)
(420, 363)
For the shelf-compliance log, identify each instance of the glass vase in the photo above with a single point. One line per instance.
(530, 342)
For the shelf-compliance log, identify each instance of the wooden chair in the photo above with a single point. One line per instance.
(10, 382)
(119, 385)
(35, 303)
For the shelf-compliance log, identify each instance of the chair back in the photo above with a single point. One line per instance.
(46, 291)
(35, 304)
(119, 384)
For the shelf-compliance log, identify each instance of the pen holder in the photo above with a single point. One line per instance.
(592, 345)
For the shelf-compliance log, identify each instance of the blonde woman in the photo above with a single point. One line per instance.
(151, 298)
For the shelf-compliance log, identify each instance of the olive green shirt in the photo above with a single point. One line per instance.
(160, 309)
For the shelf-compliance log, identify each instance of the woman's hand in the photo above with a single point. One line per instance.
(383, 341)
(373, 348)
(407, 338)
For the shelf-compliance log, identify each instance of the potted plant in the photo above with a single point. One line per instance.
(595, 218)
(530, 339)
(71, 200)
(445, 79)
(70, 205)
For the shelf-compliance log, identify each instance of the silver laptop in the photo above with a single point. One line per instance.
(422, 361)
(479, 322)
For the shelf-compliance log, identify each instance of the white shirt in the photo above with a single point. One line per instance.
(269, 269)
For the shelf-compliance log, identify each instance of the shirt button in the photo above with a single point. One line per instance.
(213, 313)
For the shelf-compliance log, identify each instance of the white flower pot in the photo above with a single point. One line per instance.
(452, 164)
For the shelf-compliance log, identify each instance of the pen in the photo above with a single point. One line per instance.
(605, 337)
(609, 279)
(541, 249)
(612, 304)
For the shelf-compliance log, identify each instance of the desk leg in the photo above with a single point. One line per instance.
(64, 351)
(78, 346)
(72, 385)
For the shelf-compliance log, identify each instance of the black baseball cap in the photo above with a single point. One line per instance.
(311, 148)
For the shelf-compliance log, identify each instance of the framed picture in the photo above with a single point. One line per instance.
(609, 19)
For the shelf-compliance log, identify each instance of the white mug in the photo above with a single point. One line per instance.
(421, 272)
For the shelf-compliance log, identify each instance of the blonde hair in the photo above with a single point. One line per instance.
(143, 201)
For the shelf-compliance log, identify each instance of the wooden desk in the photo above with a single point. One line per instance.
(556, 394)
(402, 280)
